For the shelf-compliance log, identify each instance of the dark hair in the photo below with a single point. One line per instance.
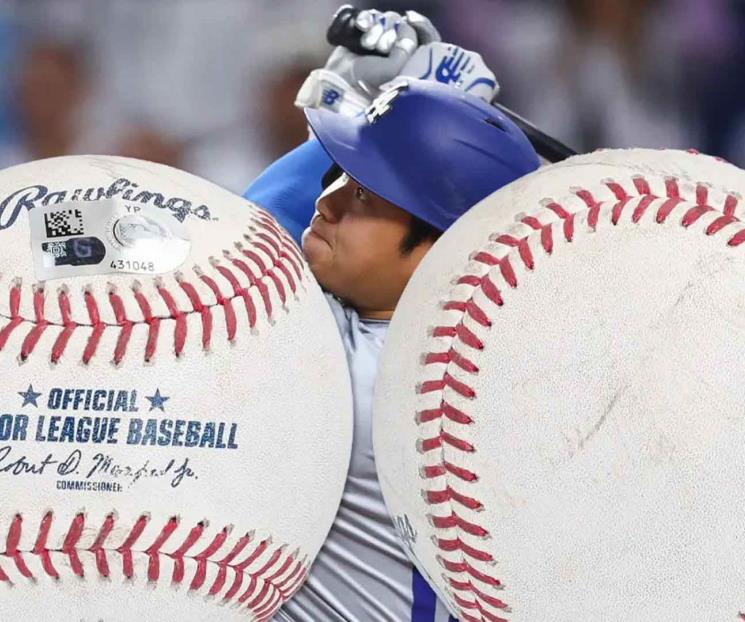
(331, 175)
(419, 231)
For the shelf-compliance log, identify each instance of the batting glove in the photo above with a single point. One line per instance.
(349, 82)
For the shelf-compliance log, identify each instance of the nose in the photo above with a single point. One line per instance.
(329, 206)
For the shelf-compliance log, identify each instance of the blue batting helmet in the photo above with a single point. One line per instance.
(430, 149)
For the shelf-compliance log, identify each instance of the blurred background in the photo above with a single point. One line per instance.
(208, 85)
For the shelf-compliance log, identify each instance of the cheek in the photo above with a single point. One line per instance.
(368, 247)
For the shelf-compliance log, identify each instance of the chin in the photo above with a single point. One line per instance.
(319, 257)
(314, 247)
(322, 273)
(314, 257)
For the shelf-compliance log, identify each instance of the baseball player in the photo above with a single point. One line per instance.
(397, 171)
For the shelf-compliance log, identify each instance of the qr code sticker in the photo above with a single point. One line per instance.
(63, 223)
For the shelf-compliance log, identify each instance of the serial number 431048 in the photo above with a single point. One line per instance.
(133, 265)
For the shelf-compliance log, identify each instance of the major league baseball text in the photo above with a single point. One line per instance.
(87, 420)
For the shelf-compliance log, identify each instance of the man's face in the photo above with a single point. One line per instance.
(353, 247)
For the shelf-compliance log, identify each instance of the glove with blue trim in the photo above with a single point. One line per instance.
(451, 64)
(349, 82)
(398, 45)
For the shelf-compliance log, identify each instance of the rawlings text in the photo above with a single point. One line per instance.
(36, 196)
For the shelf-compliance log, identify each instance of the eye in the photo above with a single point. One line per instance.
(360, 194)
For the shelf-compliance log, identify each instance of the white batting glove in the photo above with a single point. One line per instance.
(451, 64)
(348, 82)
(380, 30)
(425, 29)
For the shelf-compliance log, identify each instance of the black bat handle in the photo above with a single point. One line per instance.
(343, 31)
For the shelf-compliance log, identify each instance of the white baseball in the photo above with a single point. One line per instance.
(698, 177)
(559, 412)
(172, 446)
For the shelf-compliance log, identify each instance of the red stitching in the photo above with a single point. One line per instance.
(666, 209)
(474, 603)
(737, 239)
(484, 614)
(463, 567)
(443, 331)
(447, 381)
(288, 250)
(693, 214)
(40, 325)
(486, 259)
(225, 303)
(282, 270)
(702, 195)
(437, 470)
(591, 202)
(96, 324)
(730, 205)
(199, 307)
(15, 319)
(526, 255)
(449, 495)
(449, 522)
(641, 208)
(468, 337)
(468, 279)
(428, 444)
(642, 186)
(452, 413)
(179, 331)
(467, 586)
(153, 324)
(532, 222)
(451, 356)
(269, 585)
(126, 332)
(456, 544)
(97, 548)
(671, 188)
(618, 210)
(252, 278)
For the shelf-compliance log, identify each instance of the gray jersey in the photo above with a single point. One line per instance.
(362, 573)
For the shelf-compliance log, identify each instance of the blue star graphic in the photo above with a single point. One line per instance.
(29, 396)
(157, 400)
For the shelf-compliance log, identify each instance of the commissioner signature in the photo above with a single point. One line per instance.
(22, 465)
(101, 464)
(104, 464)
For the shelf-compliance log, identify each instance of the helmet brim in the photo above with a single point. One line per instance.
(341, 138)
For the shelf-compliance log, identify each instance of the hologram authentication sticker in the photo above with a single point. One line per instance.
(109, 236)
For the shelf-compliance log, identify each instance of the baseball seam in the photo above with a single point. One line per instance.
(285, 270)
(263, 576)
(476, 592)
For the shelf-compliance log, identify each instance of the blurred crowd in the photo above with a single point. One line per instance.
(208, 86)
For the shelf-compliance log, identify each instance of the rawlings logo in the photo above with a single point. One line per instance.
(35, 196)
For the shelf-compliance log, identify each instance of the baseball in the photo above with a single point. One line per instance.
(559, 412)
(171, 374)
